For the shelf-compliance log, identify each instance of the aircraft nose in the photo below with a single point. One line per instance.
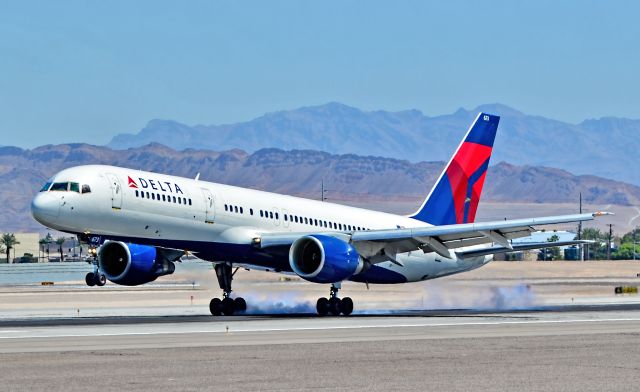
(44, 206)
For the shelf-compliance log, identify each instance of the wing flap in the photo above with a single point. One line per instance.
(518, 248)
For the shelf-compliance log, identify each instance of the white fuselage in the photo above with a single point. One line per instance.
(216, 222)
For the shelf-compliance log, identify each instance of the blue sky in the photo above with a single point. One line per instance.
(82, 71)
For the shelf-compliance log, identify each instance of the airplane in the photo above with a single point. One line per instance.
(145, 222)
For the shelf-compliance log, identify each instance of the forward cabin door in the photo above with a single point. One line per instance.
(116, 191)
(209, 206)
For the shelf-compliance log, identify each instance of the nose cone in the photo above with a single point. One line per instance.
(45, 207)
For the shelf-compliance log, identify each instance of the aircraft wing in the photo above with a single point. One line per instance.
(381, 245)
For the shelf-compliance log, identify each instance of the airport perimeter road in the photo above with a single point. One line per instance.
(552, 351)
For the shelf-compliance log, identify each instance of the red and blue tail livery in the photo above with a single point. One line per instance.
(455, 197)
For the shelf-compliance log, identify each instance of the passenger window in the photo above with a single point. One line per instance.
(277, 216)
(137, 193)
(179, 200)
(251, 211)
(261, 214)
(306, 221)
(286, 219)
(226, 208)
(271, 215)
(45, 187)
(241, 210)
(153, 196)
(296, 218)
(236, 209)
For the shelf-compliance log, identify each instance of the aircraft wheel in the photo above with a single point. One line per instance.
(101, 280)
(228, 306)
(334, 306)
(346, 306)
(239, 304)
(90, 279)
(215, 307)
(322, 306)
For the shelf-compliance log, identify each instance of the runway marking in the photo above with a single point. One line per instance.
(334, 327)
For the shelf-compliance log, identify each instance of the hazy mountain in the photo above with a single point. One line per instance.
(298, 172)
(606, 147)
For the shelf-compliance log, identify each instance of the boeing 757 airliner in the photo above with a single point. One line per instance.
(144, 222)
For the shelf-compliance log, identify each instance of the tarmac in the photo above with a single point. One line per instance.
(569, 333)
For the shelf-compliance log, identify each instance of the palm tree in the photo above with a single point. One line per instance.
(59, 242)
(8, 240)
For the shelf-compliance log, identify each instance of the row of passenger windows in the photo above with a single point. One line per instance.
(236, 209)
(161, 197)
(297, 219)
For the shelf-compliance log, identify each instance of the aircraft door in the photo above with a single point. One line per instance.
(116, 191)
(209, 206)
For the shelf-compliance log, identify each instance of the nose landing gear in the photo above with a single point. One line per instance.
(226, 306)
(334, 305)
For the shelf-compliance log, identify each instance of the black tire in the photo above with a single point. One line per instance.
(101, 280)
(334, 306)
(228, 306)
(90, 279)
(215, 307)
(239, 304)
(346, 306)
(322, 306)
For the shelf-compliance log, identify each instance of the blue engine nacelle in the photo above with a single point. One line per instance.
(324, 259)
(131, 264)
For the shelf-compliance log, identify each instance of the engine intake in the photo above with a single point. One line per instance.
(131, 264)
(324, 259)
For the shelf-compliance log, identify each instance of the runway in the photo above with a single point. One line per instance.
(543, 332)
(579, 348)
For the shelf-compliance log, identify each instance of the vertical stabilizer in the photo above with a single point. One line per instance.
(455, 196)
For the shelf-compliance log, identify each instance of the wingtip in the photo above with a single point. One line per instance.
(602, 213)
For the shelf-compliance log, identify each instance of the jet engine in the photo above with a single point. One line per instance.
(131, 264)
(324, 259)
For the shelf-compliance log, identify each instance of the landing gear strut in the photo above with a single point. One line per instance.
(333, 304)
(227, 305)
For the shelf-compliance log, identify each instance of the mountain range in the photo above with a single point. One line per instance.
(347, 177)
(605, 147)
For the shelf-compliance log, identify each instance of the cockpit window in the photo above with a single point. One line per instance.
(74, 187)
(59, 186)
(86, 188)
(45, 187)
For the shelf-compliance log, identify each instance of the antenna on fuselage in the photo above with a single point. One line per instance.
(197, 176)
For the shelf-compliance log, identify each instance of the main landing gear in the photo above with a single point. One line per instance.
(95, 278)
(334, 305)
(226, 306)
